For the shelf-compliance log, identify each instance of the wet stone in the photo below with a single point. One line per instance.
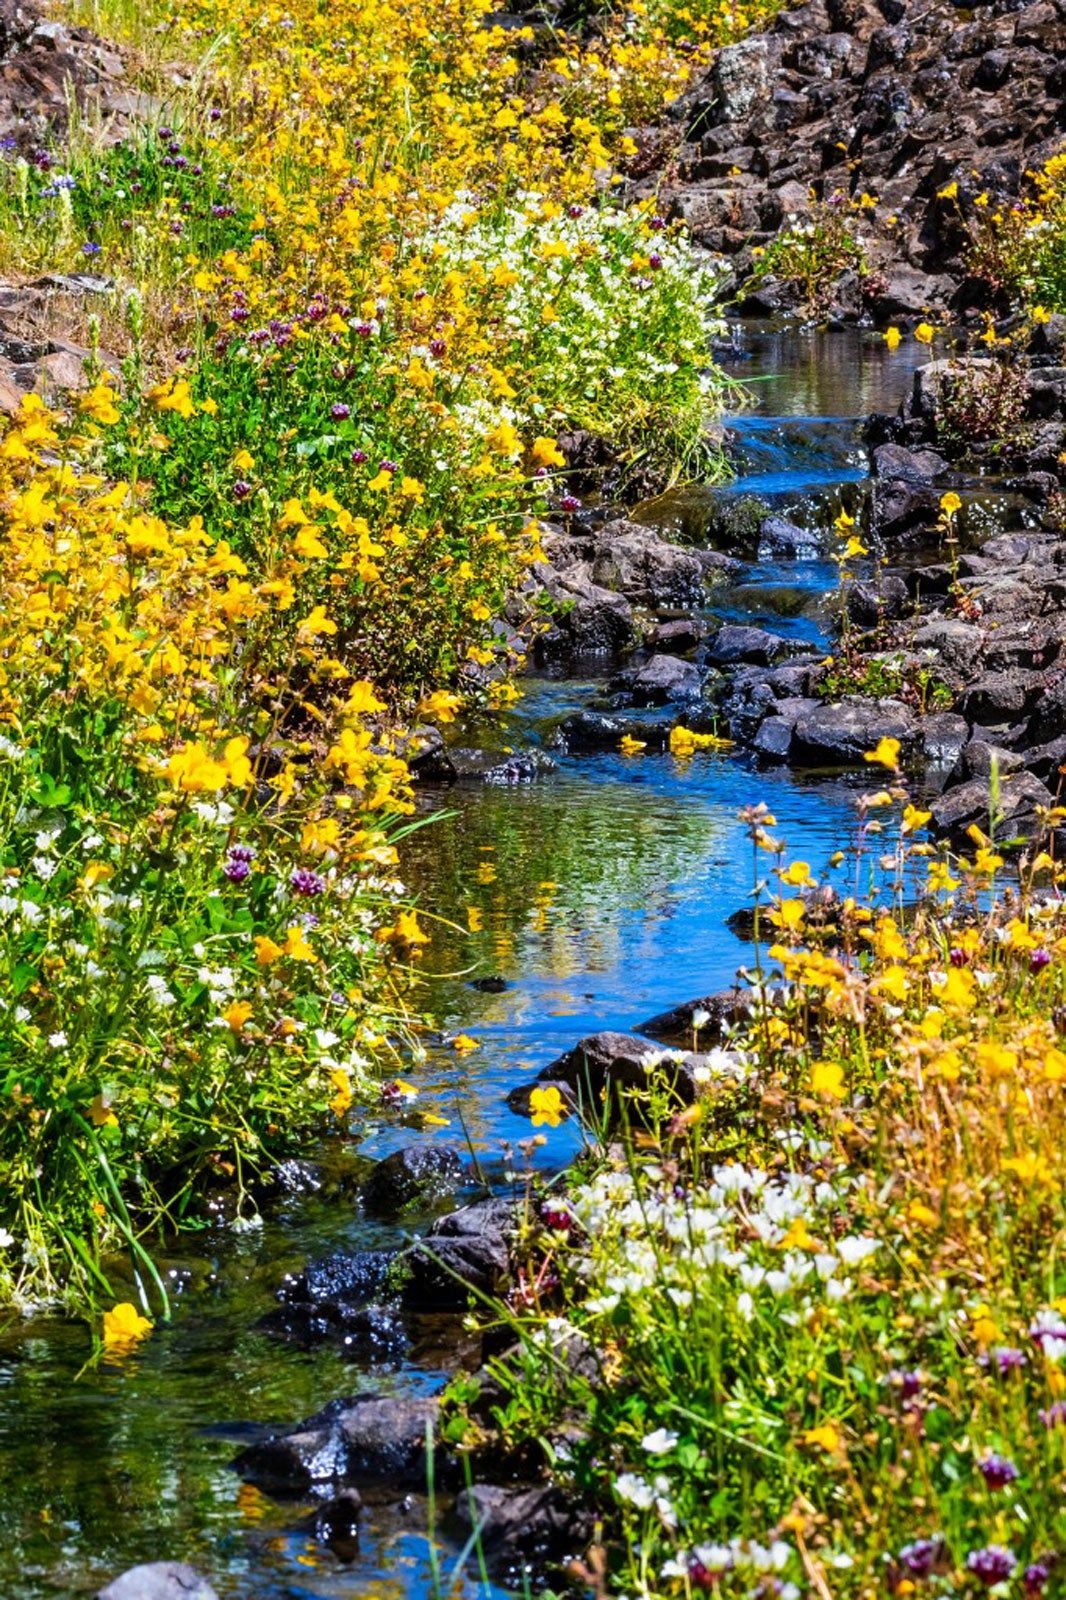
(773, 738)
(841, 734)
(523, 1527)
(417, 1175)
(967, 804)
(468, 1249)
(734, 643)
(370, 1439)
(336, 1524)
(159, 1580)
(664, 679)
(605, 1063)
(519, 1100)
(677, 1026)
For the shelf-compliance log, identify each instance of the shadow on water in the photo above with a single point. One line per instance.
(598, 896)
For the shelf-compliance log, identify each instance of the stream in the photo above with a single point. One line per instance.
(602, 892)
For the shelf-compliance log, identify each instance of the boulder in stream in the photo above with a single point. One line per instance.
(607, 1062)
(419, 1175)
(840, 733)
(366, 1440)
(467, 1250)
(159, 1580)
(521, 1527)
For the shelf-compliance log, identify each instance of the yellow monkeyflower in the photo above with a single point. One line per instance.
(101, 1114)
(99, 404)
(885, 753)
(236, 1015)
(892, 337)
(193, 770)
(950, 503)
(827, 1079)
(547, 1107)
(825, 1437)
(925, 333)
(124, 1327)
(545, 452)
(441, 705)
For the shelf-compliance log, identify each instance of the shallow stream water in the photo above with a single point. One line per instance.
(603, 892)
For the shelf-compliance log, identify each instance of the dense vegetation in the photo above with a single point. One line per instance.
(806, 1335)
(368, 267)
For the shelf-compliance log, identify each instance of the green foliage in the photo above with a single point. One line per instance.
(813, 252)
(140, 206)
(876, 677)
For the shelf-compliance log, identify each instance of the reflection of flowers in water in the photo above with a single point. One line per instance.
(567, 869)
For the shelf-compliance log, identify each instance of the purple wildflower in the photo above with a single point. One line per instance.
(958, 957)
(338, 410)
(992, 1565)
(1004, 1358)
(358, 457)
(1039, 960)
(909, 1384)
(921, 1557)
(997, 1471)
(238, 862)
(1054, 1416)
(241, 489)
(556, 1217)
(1037, 1574)
(303, 881)
(569, 502)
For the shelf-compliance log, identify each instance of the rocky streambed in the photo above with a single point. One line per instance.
(275, 1435)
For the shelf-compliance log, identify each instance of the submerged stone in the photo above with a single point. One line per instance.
(159, 1580)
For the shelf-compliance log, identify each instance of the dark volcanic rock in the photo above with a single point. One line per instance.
(675, 1027)
(466, 1250)
(460, 764)
(1001, 697)
(370, 1334)
(638, 562)
(336, 1524)
(369, 1439)
(840, 734)
(735, 643)
(159, 1580)
(968, 803)
(589, 620)
(353, 1278)
(416, 1175)
(521, 1528)
(664, 679)
(848, 96)
(773, 738)
(605, 1063)
(519, 1099)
